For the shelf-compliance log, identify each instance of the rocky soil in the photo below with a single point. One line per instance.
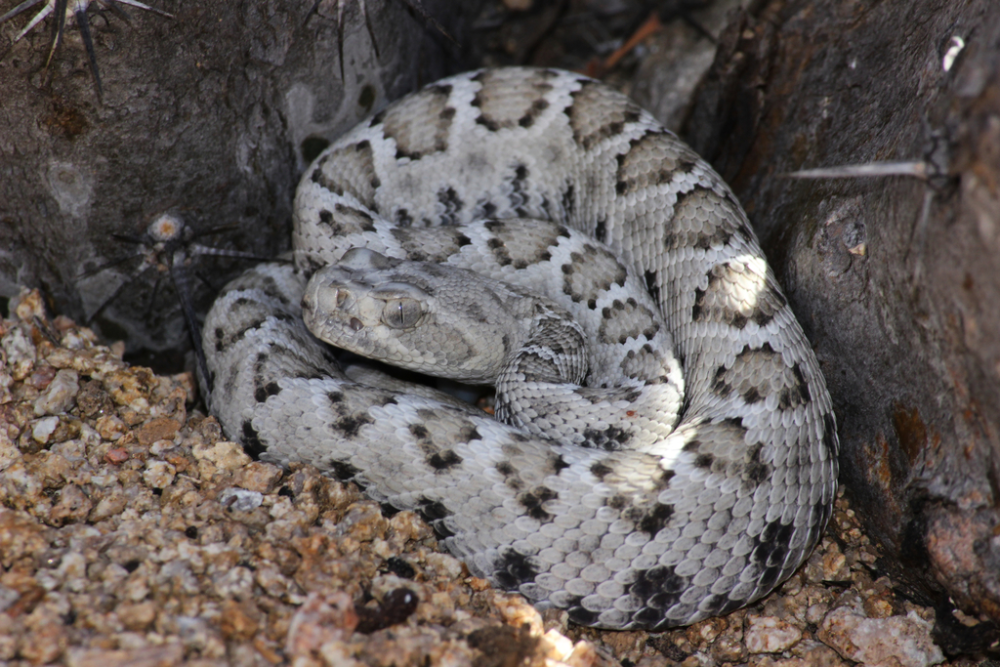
(133, 533)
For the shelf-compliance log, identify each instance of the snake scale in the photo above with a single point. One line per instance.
(670, 457)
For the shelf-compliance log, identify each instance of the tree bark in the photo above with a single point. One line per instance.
(211, 114)
(896, 280)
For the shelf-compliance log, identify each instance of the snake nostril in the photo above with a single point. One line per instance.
(356, 324)
(306, 303)
(341, 297)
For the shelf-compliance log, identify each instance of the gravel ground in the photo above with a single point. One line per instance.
(133, 533)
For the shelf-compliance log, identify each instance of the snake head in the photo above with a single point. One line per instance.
(347, 303)
(416, 315)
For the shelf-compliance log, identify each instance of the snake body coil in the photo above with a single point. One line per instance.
(657, 508)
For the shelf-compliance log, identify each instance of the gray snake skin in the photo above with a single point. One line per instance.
(670, 451)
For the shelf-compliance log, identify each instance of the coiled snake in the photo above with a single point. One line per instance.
(671, 452)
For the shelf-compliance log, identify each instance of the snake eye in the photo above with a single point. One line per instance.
(401, 313)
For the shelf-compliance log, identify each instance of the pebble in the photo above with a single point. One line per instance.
(767, 634)
(132, 533)
(897, 641)
(60, 395)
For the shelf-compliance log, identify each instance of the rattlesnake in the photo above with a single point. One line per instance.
(537, 176)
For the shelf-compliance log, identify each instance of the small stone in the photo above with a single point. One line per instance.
(73, 506)
(835, 566)
(223, 455)
(20, 353)
(137, 616)
(110, 505)
(41, 377)
(897, 641)
(260, 477)
(45, 644)
(92, 400)
(408, 526)
(20, 537)
(769, 634)
(159, 474)
(319, 620)
(28, 305)
(557, 645)
(110, 427)
(241, 499)
(236, 583)
(239, 620)
(116, 455)
(816, 654)
(730, 647)
(336, 653)
(60, 396)
(363, 522)
(444, 565)
(816, 612)
(130, 388)
(157, 429)
(43, 429)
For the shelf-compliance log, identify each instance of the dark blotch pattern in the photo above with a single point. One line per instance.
(770, 550)
(755, 471)
(582, 616)
(415, 142)
(532, 502)
(651, 160)
(651, 520)
(568, 201)
(507, 249)
(434, 512)
(601, 231)
(717, 304)
(627, 319)
(261, 394)
(342, 470)
(252, 443)
(757, 373)
(513, 569)
(444, 460)
(610, 439)
(830, 435)
(352, 172)
(589, 273)
(659, 588)
(518, 196)
(591, 121)
(503, 103)
(652, 286)
(452, 204)
(558, 464)
(600, 470)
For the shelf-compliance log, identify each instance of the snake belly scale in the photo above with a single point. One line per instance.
(621, 530)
